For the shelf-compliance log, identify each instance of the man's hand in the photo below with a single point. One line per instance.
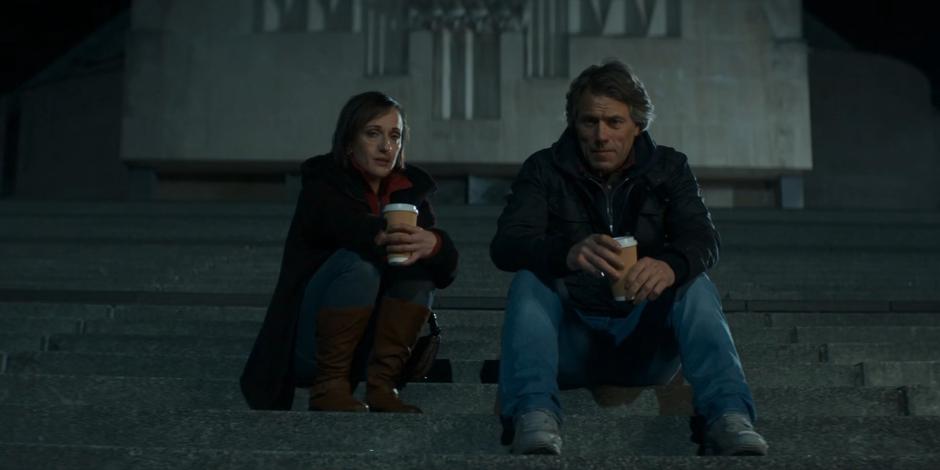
(408, 239)
(596, 254)
(647, 279)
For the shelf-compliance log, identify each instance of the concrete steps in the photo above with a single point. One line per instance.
(769, 374)
(459, 433)
(446, 399)
(466, 325)
(124, 327)
(487, 335)
(760, 274)
(163, 458)
(755, 313)
(482, 348)
(268, 225)
(770, 344)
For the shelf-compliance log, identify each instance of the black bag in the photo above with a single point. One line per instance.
(424, 353)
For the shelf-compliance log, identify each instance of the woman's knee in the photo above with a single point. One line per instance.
(416, 291)
(349, 268)
(345, 279)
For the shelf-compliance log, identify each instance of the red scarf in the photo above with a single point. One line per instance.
(395, 181)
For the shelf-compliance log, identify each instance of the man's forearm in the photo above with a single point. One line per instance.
(543, 255)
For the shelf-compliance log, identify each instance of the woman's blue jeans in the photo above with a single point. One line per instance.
(347, 280)
(547, 347)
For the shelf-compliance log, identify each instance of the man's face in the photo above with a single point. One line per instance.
(605, 132)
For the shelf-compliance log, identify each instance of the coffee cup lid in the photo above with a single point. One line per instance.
(400, 207)
(626, 241)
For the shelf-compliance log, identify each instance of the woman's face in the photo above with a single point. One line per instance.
(375, 149)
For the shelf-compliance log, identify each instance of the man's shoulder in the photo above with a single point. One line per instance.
(668, 160)
(540, 161)
(667, 164)
(666, 155)
(542, 156)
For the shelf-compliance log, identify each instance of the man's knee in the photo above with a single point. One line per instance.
(700, 289)
(699, 292)
(698, 302)
(530, 297)
(526, 284)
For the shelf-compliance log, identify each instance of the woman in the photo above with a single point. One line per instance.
(337, 300)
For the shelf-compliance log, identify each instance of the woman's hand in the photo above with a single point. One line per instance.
(408, 239)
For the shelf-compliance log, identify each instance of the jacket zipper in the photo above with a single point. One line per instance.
(610, 210)
(608, 193)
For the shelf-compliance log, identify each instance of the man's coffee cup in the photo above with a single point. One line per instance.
(628, 257)
(400, 214)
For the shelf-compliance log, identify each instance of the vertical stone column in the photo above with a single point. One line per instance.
(511, 68)
(384, 25)
(465, 69)
(546, 24)
(421, 71)
(444, 83)
(330, 15)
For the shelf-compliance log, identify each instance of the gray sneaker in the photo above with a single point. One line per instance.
(733, 434)
(537, 432)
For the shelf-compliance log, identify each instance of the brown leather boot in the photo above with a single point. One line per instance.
(396, 332)
(338, 332)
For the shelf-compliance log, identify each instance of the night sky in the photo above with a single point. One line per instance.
(904, 29)
(35, 32)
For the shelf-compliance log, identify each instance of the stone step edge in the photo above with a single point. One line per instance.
(223, 380)
(162, 457)
(672, 390)
(443, 370)
(487, 366)
(443, 301)
(107, 410)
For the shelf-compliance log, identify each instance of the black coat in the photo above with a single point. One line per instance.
(332, 213)
(556, 202)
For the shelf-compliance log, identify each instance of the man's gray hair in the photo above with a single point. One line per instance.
(614, 80)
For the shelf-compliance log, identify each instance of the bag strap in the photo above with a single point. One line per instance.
(433, 326)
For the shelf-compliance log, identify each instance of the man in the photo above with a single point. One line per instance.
(603, 178)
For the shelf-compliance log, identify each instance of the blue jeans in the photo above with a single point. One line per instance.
(347, 280)
(547, 347)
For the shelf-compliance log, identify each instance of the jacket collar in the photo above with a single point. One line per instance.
(348, 180)
(567, 156)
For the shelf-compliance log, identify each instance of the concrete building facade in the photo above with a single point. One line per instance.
(249, 82)
(221, 99)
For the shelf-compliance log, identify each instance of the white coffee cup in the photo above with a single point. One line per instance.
(400, 214)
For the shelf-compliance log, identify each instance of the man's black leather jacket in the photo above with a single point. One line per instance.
(556, 202)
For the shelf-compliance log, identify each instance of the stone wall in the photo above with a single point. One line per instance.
(875, 134)
(67, 121)
(70, 140)
(7, 164)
